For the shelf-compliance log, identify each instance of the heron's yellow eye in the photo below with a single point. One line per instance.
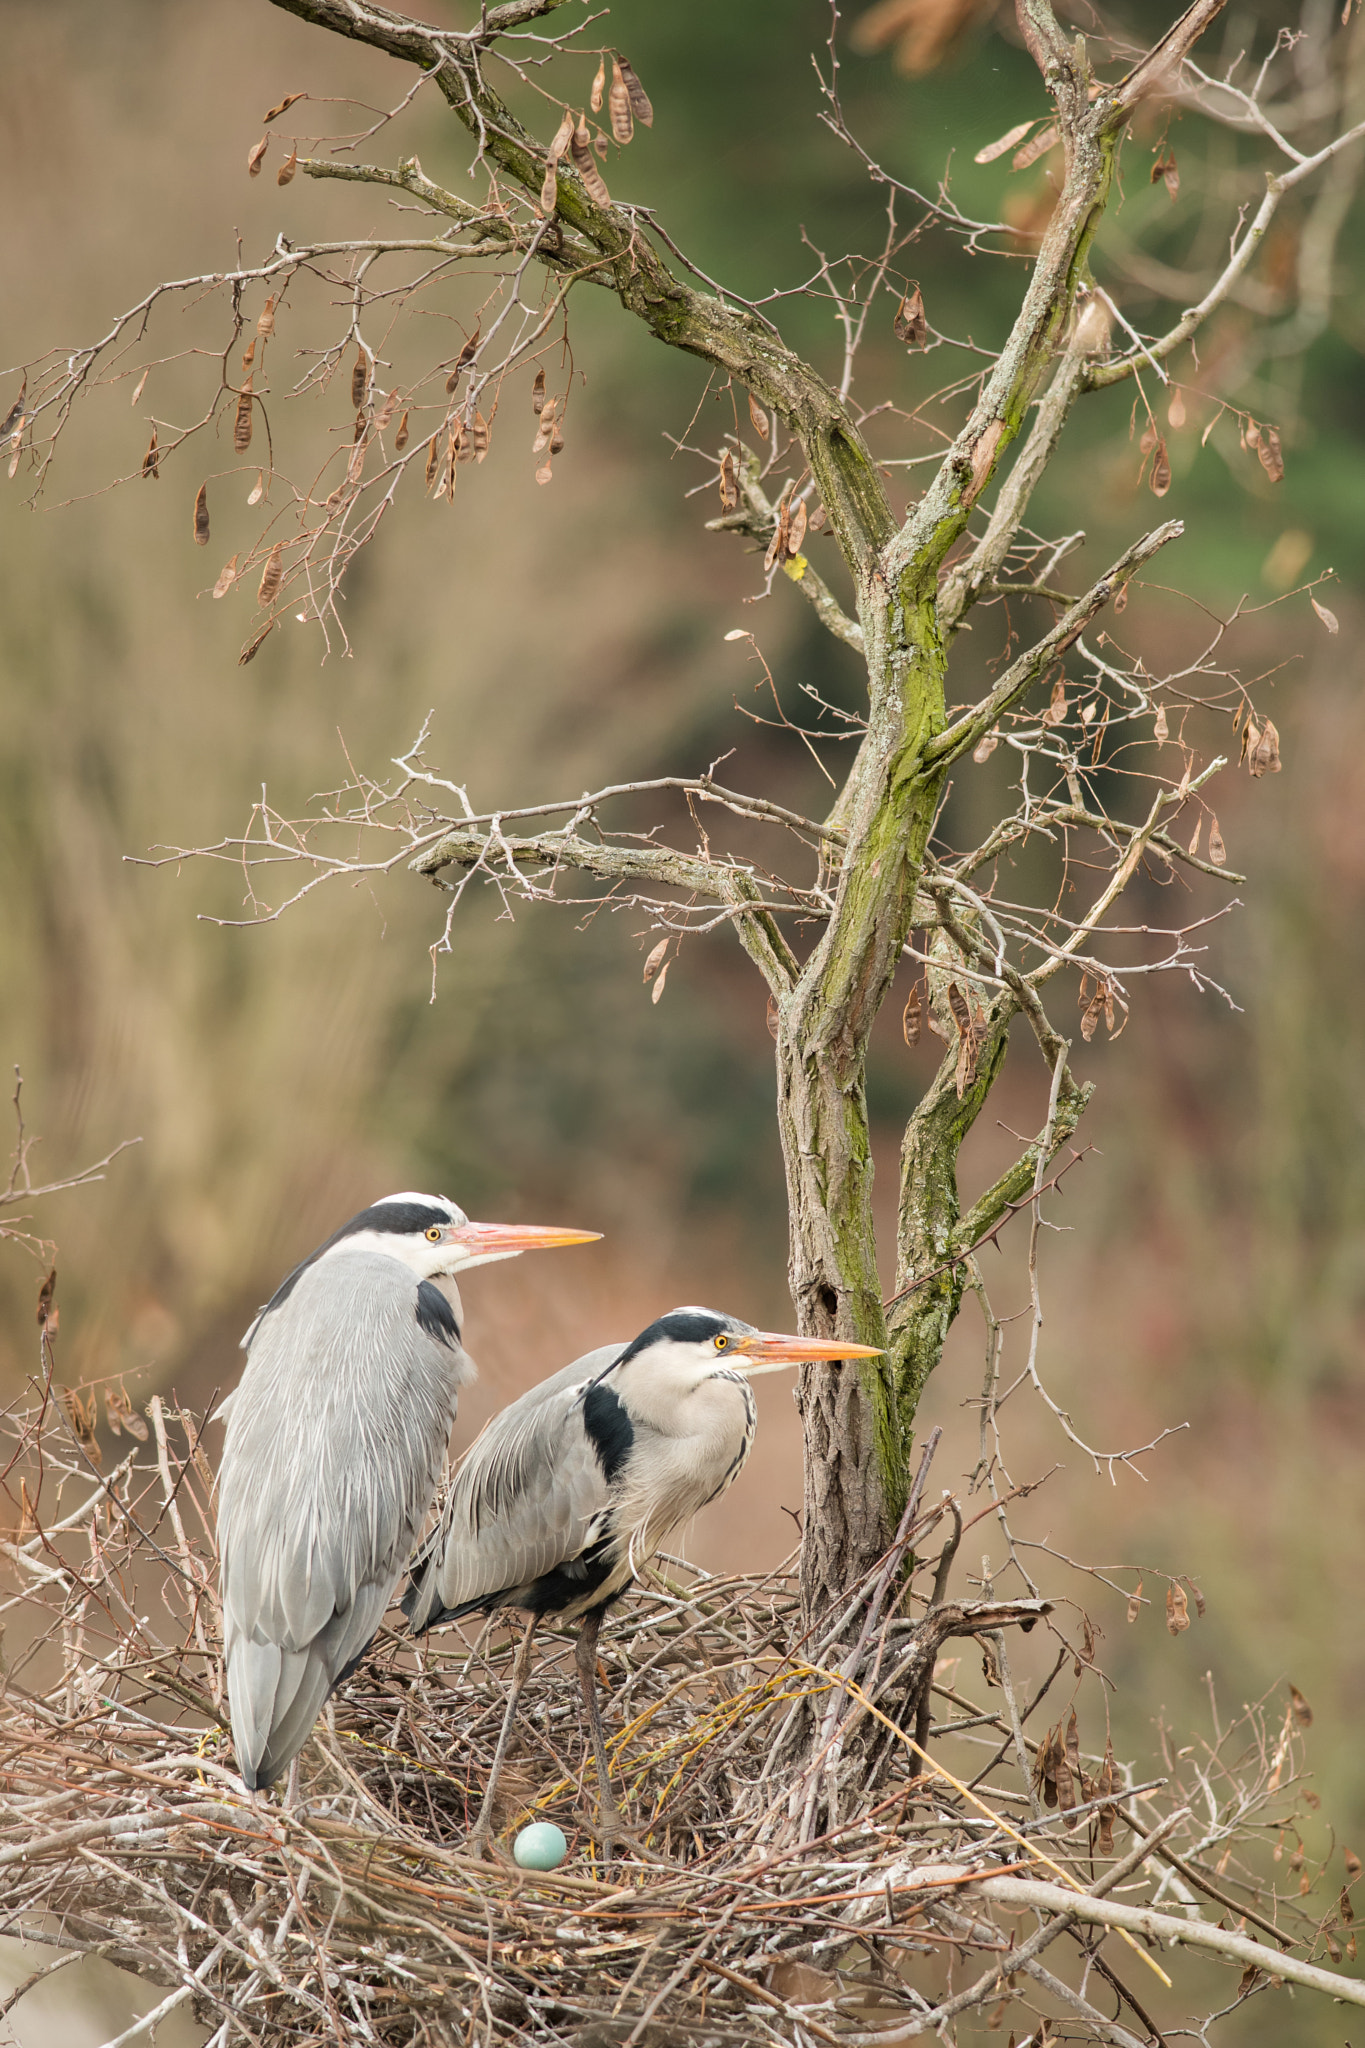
(721, 1342)
(434, 1234)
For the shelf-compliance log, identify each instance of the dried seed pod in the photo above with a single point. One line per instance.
(253, 647)
(598, 85)
(797, 531)
(549, 191)
(257, 491)
(265, 326)
(151, 461)
(759, 418)
(255, 155)
(1329, 619)
(400, 439)
(580, 148)
(622, 119)
(538, 394)
(360, 377)
(201, 515)
(241, 426)
(1161, 471)
(479, 437)
(639, 98)
(1268, 448)
(227, 576)
(431, 459)
(287, 168)
(729, 483)
(291, 99)
(910, 325)
(271, 575)
(17, 412)
(386, 411)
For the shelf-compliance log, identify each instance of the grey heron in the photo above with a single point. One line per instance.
(571, 1489)
(335, 1436)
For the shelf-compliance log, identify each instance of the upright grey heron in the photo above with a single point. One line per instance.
(335, 1437)
(571, 1489)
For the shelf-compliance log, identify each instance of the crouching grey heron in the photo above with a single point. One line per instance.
(335, 1436)
(571, 1489)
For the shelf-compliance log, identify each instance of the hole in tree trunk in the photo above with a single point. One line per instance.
(829, 1302)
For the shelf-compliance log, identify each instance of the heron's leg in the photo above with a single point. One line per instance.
(291, 1790)
(482, 1830)
(585, 1656)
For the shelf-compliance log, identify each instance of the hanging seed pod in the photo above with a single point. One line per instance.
(271, 575)
(400, 439)
(622, 119)
(241, 428)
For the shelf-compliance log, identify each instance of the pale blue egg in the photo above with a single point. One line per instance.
(541, 1846)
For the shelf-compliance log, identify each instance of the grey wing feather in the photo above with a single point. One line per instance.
(334, 1444)
(529, 1495)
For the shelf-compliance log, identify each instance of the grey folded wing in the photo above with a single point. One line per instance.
(531, 1494)
(333, 1449)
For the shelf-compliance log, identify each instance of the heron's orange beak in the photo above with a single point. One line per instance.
(505, 1240)
(771, 1353)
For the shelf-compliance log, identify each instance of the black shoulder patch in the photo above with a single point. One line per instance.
(435, 1315)
(609, 1428)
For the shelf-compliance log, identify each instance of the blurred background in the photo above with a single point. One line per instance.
(1212, 1270)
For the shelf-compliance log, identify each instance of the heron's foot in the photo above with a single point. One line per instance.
(613, 1830)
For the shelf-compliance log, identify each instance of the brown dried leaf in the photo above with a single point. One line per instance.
(1345, 1909)
(82, 1414)
(580, 148)
(912, 1016)
(255, 155)
(151, 461)
(241, 426)
(1268, 448)
(797, 531)
(122, 1415)
(1038, 145)
(257, 491)
(265, 326)
(201, 514)
(137, 393)
(1091, 1015)
(1056, 708)
(729, 483)
(253, 647)
(985, 746)
(1121, 601)
(271, 575)
(227, 576)
(400, 439)
(360, 377)
(622, 119)
(1177, 1609)
(1218, 853)
(1263, 755)
(599, 83)
(655, 959)
(1165, 169)
(45, 1293)
(1073, 1751)
(1161, 731)
(287, 169)
(1353, 1865)
(639, 98)
(386, 411)
(1194, 837)
(431, 459)
(1247, 1979)
(759, 418)
(1329, 619)
(1161, 471)
(659, 984)
(910, 325)
(544, 473)
(777, 546)
(1135, 1602)
(1004, 142)
(291, 99)
(1302, 1712)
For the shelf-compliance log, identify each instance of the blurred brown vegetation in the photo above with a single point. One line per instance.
(279, 1078)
